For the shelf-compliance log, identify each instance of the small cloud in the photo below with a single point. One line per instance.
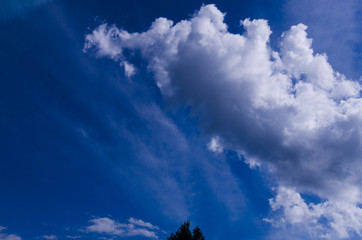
(134, 227)
(141, 223)
(129, 69)
(50, 237)
(214, 145)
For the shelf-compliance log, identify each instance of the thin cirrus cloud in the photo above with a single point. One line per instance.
(134, 227)
(18, 8)
(287, 111)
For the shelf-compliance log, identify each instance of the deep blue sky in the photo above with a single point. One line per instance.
(78, 140)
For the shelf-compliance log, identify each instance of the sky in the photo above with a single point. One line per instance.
(124, 119)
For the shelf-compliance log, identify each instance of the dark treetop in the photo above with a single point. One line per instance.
(184, 233)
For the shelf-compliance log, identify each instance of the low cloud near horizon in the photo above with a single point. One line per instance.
(287, 111)
(6, 236)
(134, 227)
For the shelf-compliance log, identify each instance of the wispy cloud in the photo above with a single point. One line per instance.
(134, 227)
(15, 8)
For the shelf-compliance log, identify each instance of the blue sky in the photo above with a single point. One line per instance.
(229, 116)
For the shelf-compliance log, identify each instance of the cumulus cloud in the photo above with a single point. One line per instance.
(5, 236)
(287, 110)
(320, 16)
(341, 217)
(134, 227)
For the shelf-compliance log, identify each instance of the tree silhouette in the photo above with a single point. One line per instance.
(184, 233)
(197, 234)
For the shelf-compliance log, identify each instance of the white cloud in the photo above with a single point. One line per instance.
(287, 110)
(129, 69)
(141, 223)
(342, 218)
(134, 227)
(5, 236)
(215, 146)
(100, 39)
(320, 16)
(50, 237)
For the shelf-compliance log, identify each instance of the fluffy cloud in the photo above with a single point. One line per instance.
(287, 110)
(345, 34)
(4, 236)
(134, 227)
(341, 217)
